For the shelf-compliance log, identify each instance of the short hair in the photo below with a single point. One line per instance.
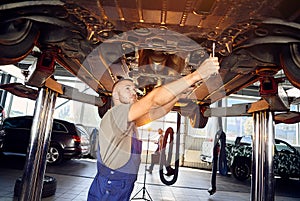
(120, 80)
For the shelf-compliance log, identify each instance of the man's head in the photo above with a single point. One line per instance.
(124, 92)
(160, 131)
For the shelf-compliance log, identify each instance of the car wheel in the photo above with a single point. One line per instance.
(17, 40)
(54, 155)
(290, 61)
(241, 170)
(49, 186)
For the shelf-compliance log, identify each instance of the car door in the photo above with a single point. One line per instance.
(286, 160)
(17, 135)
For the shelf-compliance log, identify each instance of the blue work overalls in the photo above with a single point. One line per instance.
(116, 185)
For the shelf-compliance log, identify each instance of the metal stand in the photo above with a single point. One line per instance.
(35, 167)
(143, 189)
(262, 186)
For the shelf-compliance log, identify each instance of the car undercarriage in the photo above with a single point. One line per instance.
(155, 42)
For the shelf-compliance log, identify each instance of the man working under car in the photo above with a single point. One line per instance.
(119, 153)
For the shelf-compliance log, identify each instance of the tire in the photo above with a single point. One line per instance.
(241, 170)
(54, 155)
(290, 61)
(49, 186)
(23, 36)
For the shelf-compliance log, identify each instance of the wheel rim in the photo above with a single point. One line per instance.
(242, 171)
(52, 155)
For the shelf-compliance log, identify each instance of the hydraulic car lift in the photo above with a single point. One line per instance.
(35, 167)
(49, 90)
(262, 188)
(262, 111)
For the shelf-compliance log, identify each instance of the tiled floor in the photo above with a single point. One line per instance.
(75, 177)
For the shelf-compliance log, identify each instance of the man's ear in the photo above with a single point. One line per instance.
(115, 95)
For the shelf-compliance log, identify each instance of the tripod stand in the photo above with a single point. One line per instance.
(143, 189)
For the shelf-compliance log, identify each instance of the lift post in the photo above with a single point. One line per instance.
(35, 167)
(36, 160)
(262, 184)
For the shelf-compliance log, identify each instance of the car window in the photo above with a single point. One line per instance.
(80, 130)
(17, 123)
(246, 140)
(281, 146)
(58, 127)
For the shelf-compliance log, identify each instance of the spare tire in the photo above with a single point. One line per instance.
(49, 186)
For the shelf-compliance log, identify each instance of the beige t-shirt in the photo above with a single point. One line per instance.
(115, 136)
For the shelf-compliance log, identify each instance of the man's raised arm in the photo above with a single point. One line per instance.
(161, 96)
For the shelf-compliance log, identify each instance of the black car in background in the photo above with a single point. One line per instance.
(67, 140)
(239, 158)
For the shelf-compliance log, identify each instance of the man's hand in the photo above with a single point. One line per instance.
(209, 67)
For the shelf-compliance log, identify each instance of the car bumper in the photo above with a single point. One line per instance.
(72, 152)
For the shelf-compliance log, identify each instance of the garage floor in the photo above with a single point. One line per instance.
(74, 178)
